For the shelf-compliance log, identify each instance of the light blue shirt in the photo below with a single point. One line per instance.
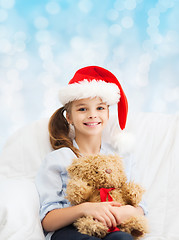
(52, 177)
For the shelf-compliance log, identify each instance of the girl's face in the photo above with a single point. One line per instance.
(89, 116)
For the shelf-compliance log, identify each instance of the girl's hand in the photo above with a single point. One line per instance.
(104, 212)
(124, 212)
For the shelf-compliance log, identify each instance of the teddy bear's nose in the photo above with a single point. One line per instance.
(108, 171)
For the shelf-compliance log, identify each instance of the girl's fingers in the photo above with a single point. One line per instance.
(107, 217)
(112, 222)
(105, 220)
(115, 204)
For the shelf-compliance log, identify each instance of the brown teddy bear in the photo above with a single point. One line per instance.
(102, 178)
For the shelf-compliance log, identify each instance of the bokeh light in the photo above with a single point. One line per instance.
(7, 4)
(3, 15)
(52, 7)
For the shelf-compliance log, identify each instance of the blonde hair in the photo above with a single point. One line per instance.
(59, 130)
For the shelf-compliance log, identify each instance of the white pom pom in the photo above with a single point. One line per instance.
(123, 142)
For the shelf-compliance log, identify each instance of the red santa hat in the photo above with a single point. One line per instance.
(94, 81)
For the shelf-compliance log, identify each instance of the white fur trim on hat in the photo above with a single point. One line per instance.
(108, 92)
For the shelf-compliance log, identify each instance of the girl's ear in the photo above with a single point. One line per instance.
(68, 118)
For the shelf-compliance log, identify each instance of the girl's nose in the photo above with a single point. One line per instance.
(92, 114)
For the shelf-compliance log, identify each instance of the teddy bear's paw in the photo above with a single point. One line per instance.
(133, 193)
(137, 226)
(77, 191)
(87, 225)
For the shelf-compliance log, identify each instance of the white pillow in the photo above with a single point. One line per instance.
(25, 150)
(3, 216)
(20, 217)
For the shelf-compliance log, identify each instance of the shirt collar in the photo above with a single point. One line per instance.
(76, 146)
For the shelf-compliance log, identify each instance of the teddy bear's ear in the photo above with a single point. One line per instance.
(118, 161)
(73, 168)
(80, 165)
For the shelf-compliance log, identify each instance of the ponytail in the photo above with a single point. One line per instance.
(59, 130)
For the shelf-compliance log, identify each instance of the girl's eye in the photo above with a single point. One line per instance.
(100, 108)
(82, 109)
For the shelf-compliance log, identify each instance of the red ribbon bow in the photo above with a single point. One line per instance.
(105, 195)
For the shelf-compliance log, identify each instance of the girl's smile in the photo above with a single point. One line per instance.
(92, 124)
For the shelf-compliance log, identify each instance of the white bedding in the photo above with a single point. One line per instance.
(156, 151)
(20, 218)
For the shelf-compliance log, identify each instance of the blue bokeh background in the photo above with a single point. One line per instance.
(43, 42)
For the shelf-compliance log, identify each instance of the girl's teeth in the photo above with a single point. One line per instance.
(91, 124)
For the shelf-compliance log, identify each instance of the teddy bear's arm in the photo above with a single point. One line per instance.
(133, 193)
(78, 191)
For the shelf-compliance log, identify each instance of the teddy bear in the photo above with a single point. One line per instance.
(97, 178)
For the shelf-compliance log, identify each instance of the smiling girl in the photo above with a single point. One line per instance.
(86, 102)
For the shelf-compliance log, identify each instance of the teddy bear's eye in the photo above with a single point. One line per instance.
(96, 172)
